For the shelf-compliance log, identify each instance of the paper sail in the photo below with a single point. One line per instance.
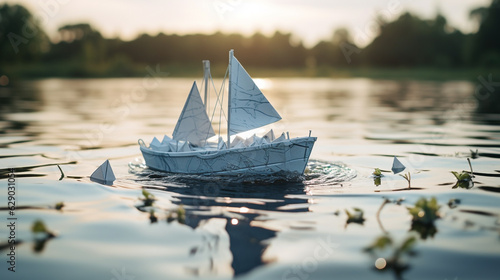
(269, 136)
(166, 140)
(397, 166)
(103, 174)
(193, 124)
(221, 145)
(155, 144)
(248, 108)
(281, 138)
(238, 142)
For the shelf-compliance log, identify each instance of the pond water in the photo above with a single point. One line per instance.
(265, 228)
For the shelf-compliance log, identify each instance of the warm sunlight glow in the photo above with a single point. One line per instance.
(247, 134)
(263, 84)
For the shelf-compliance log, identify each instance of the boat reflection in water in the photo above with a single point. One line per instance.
(239, 211)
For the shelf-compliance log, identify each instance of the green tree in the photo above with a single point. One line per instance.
(486, 42)
(340, 51)
(21, 37)
(411, 42)
(79, 42)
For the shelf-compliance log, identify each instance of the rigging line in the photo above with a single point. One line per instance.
(201, 88)
(209, 91)
(218, 98)
(207, 106)
(221, 92)
(218, 94)
(217, 102)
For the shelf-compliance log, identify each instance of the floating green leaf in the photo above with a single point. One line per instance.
(148, 198)
(464, 178)
(380, 243)
(408, 244)
(179, 215)
(39, 227)
(377, 172)
(152, 216)
(40, 231)
(425, 211)
(395, 262)
(59, 205)
(355, 217)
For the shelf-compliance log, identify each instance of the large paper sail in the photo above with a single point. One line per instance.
(193, 124)
(249, 108)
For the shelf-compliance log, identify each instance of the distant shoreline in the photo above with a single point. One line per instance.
(40, 71)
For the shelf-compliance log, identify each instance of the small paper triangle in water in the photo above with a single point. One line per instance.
(103, 174)
(397, 166)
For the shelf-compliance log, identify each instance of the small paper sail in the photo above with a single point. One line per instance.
(103, 174)
(237, 142)
(221, 145)
(183, 146)
(155, 144)
(166, 140)
(281, 138)
(397, 166)
(269, 136)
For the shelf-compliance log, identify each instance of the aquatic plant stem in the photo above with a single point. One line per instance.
(62, 173)
(471, 171)
(378, 215)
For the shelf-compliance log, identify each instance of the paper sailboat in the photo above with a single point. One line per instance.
(190, 152)
(103, 174)
(397, 166)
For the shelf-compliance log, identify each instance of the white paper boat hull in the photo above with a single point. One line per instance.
(289, 156)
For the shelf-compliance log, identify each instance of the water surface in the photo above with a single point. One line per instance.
(266, 228)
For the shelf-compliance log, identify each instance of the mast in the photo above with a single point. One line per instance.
(231, 55)
(206, 72)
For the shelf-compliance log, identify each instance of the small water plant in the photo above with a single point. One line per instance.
(407, 177)
(355, 217)
(386, 201)
(59, 205)
(424, 213)
(41, 235)
(474, 154)
(40, 230)
(453, 203)
(394, 253)
(377, 172)
(148, 198)
(152, 216)
(179, 215)
(62, 173)
(464, 178)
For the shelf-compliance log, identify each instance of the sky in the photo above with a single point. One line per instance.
(309, 20)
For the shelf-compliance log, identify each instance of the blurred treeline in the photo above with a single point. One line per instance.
(408, 42)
